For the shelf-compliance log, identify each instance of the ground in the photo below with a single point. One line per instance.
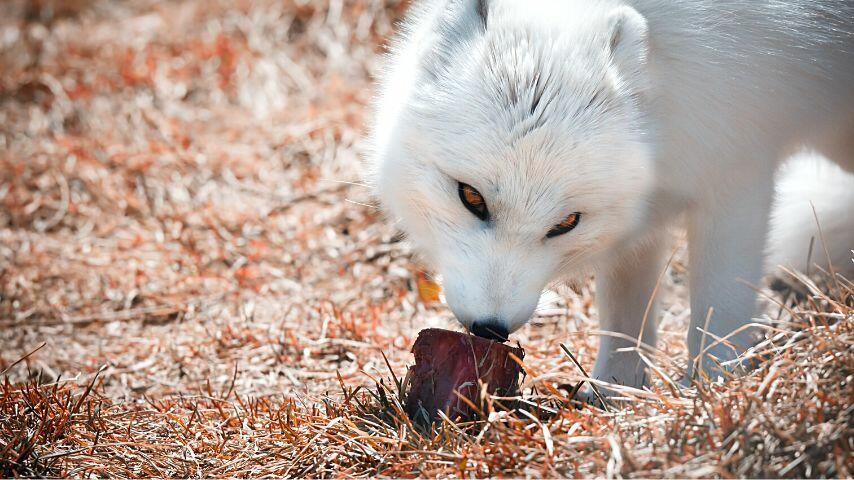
(194, 280)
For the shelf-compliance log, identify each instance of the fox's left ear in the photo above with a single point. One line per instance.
(628, 43)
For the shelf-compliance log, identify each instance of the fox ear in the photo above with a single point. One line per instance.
(627, 42)
(468, 9)
(482, 8)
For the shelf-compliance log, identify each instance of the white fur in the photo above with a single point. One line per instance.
(812, 192)
(636, 113)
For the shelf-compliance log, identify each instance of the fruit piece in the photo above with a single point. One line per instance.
(447, 363)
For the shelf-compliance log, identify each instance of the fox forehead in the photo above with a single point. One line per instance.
(510, 85)
(512, 110)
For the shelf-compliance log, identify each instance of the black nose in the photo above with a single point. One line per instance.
(490, 330)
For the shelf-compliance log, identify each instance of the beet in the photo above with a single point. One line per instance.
(446, 361)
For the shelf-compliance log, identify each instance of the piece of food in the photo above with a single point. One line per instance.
(450, 363)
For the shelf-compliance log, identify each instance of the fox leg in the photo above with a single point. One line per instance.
(625, 314)
(726, 242)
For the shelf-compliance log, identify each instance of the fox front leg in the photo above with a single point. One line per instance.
(726, 243)
(624, 291)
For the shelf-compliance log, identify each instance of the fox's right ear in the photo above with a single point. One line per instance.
(482, 9)
(465, 10)
(628, 40)
(458, 24)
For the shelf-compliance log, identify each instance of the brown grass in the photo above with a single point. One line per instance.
(193, 282)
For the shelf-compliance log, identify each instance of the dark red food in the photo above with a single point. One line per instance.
(446, 362)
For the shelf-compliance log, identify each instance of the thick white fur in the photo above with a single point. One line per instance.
(812, 192)
(637, 113)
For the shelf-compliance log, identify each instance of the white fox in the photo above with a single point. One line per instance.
(520, 143)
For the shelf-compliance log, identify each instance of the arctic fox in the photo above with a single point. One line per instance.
(519, 143)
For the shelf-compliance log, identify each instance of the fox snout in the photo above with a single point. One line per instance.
(491, 310)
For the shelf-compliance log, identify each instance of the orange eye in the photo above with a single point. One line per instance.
(565, 226)
(473, 201)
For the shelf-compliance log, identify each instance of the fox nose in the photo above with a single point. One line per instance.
(490, 329)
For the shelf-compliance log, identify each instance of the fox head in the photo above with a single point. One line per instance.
(511, 148)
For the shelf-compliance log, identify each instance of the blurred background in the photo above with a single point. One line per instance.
(180, 190)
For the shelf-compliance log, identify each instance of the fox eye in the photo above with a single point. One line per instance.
(565, 226)
(473, 201)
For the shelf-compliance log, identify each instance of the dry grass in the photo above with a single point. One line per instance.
(175, 229)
